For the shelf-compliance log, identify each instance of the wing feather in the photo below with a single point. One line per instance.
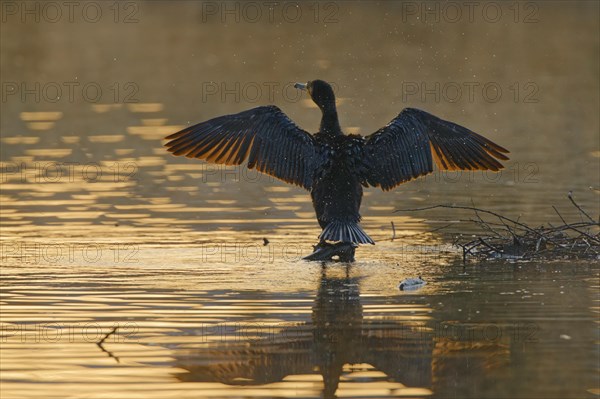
(264, 136)
(407, 147)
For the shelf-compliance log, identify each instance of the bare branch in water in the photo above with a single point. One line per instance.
(525, 242)
(570, 195)
(568, 226)
(101, 346)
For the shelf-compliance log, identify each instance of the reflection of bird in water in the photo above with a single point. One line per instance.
(337, 319)
(337, 338)
(334, 167)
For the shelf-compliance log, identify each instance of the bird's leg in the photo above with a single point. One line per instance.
(345, 251)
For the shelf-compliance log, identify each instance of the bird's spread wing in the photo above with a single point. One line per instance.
(406, 147)
(271, 142)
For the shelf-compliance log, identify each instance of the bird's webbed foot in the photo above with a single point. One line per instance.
(324, 251)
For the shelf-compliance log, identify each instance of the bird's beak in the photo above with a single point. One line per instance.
(301, 86)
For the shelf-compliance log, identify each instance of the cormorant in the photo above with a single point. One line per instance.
(333, 166)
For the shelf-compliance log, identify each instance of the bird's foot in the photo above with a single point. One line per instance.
(325, 251)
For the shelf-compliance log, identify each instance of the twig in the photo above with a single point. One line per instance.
(524, 226)
(538, 244)
(487, 226)
(439, 228)
(573, 228)
(426, 232)
(101, 342)
(508, 235)
(570, 195)
(481, 240)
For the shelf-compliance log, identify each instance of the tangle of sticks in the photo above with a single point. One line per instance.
(507, 238)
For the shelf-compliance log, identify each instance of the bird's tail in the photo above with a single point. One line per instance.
(345, 232)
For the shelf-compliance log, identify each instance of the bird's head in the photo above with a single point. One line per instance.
(320, 91)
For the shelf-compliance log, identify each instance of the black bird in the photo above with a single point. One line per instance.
(333, 166)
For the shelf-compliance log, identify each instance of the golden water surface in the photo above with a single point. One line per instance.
(129, 273)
